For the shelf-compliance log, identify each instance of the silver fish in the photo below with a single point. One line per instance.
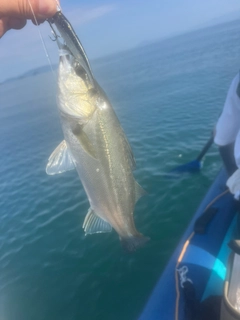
(94, 144)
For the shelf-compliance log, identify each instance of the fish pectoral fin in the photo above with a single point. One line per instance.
(139, 191)
(60, 160)
(93, 224)
(84, 140)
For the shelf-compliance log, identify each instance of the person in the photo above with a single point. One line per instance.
(15, 13)
(227, 136)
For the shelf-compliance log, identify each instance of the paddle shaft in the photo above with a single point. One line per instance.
(205, 148)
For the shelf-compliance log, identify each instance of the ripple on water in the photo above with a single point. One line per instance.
(167, 96)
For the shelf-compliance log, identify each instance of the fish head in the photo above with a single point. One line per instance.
(74, 87)
(76, 84)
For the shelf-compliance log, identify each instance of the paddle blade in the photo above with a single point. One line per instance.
(192, 166)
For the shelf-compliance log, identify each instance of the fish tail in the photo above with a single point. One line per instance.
(132, 243)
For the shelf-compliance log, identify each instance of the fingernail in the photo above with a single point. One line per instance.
(46, 8)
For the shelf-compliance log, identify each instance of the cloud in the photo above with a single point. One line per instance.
(84, 15)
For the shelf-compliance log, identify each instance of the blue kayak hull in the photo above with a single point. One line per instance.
(205, 257)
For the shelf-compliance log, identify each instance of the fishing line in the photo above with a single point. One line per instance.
(41, 37)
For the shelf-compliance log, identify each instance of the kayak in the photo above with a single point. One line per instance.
(192, 283)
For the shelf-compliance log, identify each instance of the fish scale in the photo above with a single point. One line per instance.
(95, 144)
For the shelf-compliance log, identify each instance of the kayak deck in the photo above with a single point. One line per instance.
(204, 258)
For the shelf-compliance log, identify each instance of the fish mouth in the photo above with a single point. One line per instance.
(66, 58)
(71, 42)
(71, 64)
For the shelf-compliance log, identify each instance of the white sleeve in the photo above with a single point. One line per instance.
(233, 183)
(228, 124)
(237, 150)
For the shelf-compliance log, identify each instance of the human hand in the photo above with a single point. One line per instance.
(233, 183)
(14, 13)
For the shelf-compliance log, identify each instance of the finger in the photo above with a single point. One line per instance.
(39, 21)
(22, 9)
(3, 26)
(16, 23)
(11, 23)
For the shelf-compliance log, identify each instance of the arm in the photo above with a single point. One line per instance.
(227, 154)
(228, 127)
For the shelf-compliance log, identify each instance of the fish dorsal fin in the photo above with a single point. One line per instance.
(93, 224)
(60, 160)
(139, 191)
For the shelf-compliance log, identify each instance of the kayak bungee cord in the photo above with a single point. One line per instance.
(182, 253)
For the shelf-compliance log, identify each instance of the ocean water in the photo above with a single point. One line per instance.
(168, 96)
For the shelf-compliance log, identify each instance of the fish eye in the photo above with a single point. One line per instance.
(79, 70)
(93, 92)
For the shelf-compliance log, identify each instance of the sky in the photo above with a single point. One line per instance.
(106, 27)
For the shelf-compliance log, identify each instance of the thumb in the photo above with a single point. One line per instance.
(22, 8)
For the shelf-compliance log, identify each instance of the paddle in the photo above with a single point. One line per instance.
(195, 165)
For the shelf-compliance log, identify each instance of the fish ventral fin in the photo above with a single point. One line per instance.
(93, 224)
(139, 191)
(60, 160)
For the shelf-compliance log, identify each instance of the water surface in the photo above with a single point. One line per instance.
(168, 96)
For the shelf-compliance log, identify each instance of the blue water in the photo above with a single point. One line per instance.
(168, 96)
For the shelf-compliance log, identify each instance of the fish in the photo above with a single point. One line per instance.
(94, 143)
